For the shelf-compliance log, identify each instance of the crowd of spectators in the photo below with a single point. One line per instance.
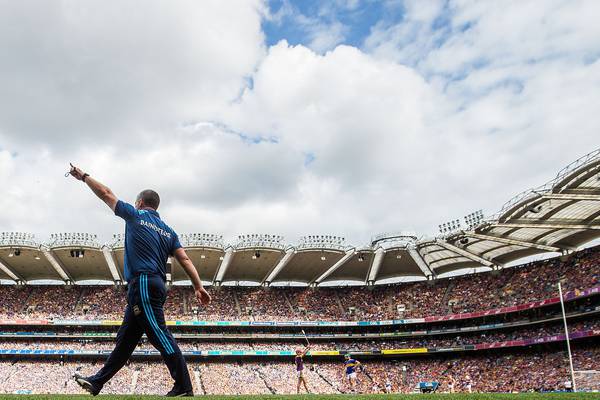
(529, 370)
(13, 301)
(106, 301)
(519, 370)
(508, 287)
(152, 378)
(264, 305)
(232, 378)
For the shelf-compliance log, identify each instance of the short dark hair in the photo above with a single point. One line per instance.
(150, 198)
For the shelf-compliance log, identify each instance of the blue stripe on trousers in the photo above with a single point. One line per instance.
(161, 334)
(150, 315)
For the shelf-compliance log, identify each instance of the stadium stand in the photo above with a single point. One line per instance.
(476, 292)
(485, 369)
(462, 318)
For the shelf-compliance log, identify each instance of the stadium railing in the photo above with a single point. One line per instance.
(577, 335)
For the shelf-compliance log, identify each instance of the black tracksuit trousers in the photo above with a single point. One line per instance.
(146, 296)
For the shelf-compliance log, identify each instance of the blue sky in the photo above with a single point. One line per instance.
(364, 24)
(294, 20)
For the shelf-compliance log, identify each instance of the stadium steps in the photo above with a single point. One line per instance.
(184, 303)
(327, 381)
(26, 301)
(202, 387)
(237, 303)
(78, 308)
(447, 294)
(134, 380)
(508, 275)
(198, 380)
(14, 370)
(390, 305)
(338, 301)
(260, 374)
(505, 279)
(289, 303)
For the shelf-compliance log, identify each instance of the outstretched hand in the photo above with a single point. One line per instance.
(202, 296)
(76, 172)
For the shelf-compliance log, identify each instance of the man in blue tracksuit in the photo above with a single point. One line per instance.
(148, 244)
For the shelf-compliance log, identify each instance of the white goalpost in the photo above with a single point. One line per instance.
(562, 305)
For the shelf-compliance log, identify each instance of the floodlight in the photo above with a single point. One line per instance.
(259, 240)
(536, 209)
(473, 219)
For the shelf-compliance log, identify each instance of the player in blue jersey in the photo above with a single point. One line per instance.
(350, 366)
(149, 242)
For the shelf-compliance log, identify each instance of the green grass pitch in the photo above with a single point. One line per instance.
(473, 396)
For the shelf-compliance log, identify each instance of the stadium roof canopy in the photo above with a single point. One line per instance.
(560, 216)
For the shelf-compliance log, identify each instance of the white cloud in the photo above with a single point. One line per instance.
(324, 37)
(74, 71)
(408, 40)
(525, 72)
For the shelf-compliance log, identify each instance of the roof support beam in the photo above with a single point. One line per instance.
(421, 263)
(375, 266)
(539, 199)
(492, 249)
(10, 272)
(439, 260)
(512, 242)
(223, 267)
(280, 265)
(547, 225)
(553, 211)
(57, 266)
(561, 196)
(465, 253)
(582, 190)
(335, 266)
(112, 267)
(576, 178)
(522, 207)
(539, 237)
(429, 252)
